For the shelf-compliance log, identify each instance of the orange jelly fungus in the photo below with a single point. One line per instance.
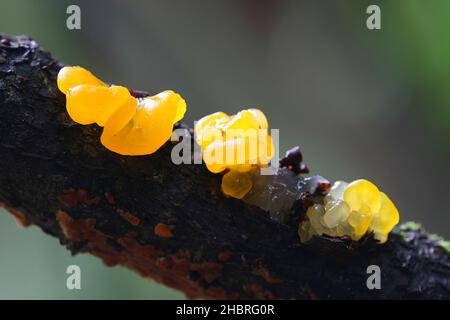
(131, 126)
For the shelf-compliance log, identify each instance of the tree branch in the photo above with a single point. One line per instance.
(172, 223)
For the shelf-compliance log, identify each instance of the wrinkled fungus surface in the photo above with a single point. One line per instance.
(239, 144)
(351, 210)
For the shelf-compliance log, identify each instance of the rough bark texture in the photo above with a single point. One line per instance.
(171, 223)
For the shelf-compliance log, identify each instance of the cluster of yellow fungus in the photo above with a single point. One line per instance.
(131, 126)
(239, 144)
(351, 210)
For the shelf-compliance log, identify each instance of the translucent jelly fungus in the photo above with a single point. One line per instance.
(351, 210)
(130, 126)
(277, 193)
(239, 143)
(236, 184)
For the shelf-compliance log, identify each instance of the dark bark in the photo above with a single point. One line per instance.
(172, 223)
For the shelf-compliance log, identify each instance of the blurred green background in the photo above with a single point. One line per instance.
(360, 103)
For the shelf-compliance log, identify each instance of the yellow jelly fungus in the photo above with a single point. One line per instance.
(131, 126)
(360, 221)
(386, 218)
(211, 154)
(87, 104)
(150, 127)
(69, 77)
(236, 184)
(362, 195)
(351, 210)
(260, 118)
(243, 120)
(238, 143)
(208, 120)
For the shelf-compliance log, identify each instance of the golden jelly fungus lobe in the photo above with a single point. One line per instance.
(130, 126)
(237, 140)
(149, 128)
(243, 121)
(260, 118)
(351, 210)
(209, 122)
(236, 184)
(362, 195)
(69, 77)
(238, 143)
(88, 104)
(385, 219)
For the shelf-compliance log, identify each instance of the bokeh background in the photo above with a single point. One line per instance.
(360, 103)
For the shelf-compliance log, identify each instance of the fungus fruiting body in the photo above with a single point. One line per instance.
(346, 210)
(131, 126)
(277, 193)
(238, 144)
(351, 210)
